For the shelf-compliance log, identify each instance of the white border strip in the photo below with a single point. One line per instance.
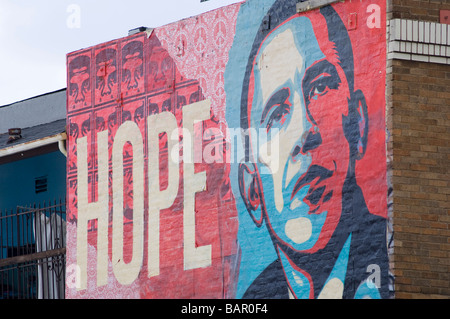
(419, 41)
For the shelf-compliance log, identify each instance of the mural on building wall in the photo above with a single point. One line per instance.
(236, 154)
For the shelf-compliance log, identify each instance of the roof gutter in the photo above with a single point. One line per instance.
(58, 138)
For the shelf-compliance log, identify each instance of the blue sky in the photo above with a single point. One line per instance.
(36, 35)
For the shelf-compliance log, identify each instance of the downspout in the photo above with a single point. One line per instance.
(62, 146)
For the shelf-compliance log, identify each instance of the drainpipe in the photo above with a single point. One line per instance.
(62, 147)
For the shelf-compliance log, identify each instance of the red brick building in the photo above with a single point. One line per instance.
(418, 120)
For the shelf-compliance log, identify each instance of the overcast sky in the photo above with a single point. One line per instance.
(36, 35)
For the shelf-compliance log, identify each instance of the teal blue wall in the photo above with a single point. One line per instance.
(17, 180)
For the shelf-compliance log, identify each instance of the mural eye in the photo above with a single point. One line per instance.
(277, 109)
(85, 86)
(322, 84)
(279, 115)
(320, 87)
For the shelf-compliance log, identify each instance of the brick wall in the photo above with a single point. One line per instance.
(418, 120)
(424, 10)
(419, 123)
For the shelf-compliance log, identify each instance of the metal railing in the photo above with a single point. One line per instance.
(32, 252)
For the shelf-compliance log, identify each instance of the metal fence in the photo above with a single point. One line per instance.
(32, 252)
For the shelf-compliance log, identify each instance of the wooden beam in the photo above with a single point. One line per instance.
(31, 257)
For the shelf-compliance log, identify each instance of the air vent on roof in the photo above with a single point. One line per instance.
(138, 30)
(40, 184)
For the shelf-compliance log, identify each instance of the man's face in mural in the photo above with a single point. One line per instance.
(133, 68)
(161, 67)
(79, 74)
(106, 71)
(301, 95)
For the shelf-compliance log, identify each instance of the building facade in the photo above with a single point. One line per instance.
(266, 149)
(417, 114)
(32, 197)
(237, 154)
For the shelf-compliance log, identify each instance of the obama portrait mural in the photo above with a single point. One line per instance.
(306, 230)
(240, 153)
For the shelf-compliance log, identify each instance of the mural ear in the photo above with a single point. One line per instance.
(250, 190)
(356, 124)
